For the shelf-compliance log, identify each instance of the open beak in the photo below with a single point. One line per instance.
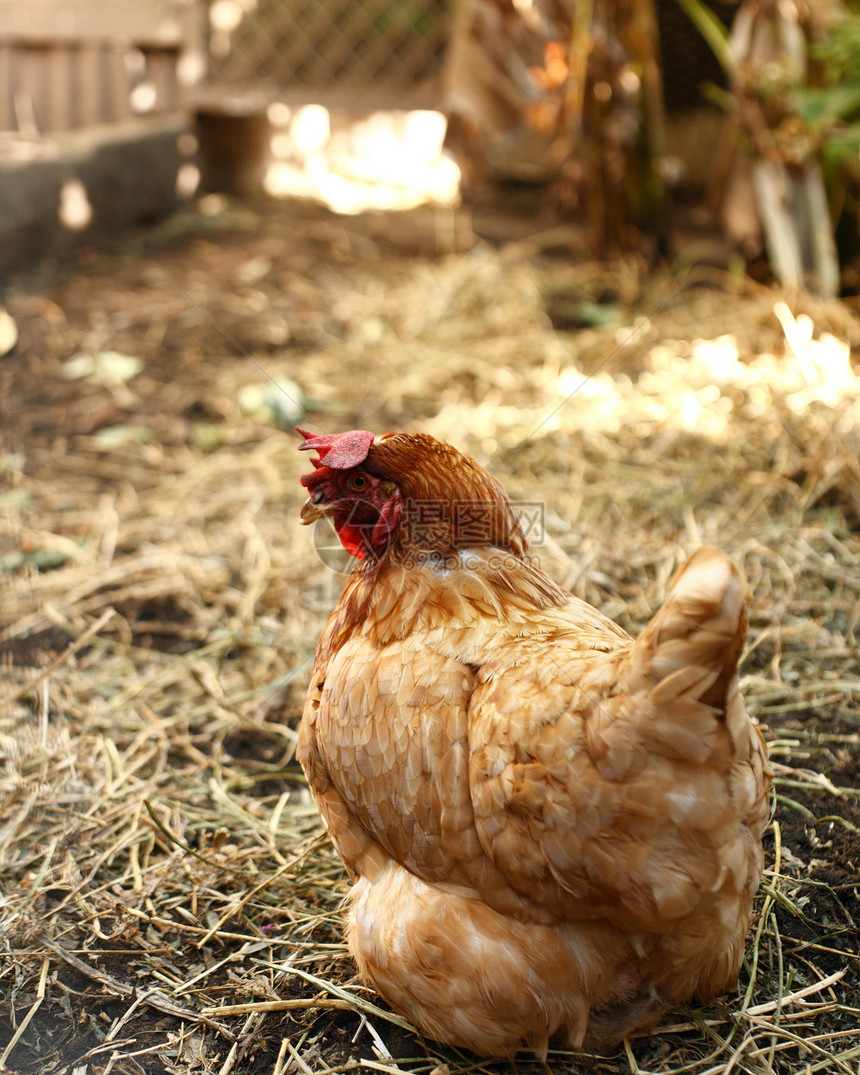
(316, 507)
(312, 511)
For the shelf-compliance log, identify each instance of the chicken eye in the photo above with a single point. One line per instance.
(358, 482)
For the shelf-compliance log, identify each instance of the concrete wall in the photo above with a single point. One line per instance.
(79, 187)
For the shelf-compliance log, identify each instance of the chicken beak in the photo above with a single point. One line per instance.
(311, 512)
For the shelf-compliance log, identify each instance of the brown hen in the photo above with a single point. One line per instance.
(554, 830)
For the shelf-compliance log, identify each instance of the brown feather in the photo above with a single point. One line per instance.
(555, 830)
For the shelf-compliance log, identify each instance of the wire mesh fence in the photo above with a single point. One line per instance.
(60, 72)
(325, 43)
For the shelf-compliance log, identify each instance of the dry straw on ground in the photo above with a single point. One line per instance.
(169, 900)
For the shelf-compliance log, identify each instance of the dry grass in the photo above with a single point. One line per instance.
(169, 900)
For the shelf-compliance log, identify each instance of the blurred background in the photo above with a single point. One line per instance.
(711, 131)
(608, 248)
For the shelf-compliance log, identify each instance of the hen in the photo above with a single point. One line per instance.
(554, 830)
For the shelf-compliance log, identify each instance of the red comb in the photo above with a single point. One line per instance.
(341, 451)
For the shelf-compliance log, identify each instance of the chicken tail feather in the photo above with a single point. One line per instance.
(700, 630)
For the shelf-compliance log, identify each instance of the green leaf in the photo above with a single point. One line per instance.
(597, 313)
(819, 105)
(716, 35)
(102, 367)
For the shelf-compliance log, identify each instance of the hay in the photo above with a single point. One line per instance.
(170, 902)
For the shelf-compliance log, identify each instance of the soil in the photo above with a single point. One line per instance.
(210, 301)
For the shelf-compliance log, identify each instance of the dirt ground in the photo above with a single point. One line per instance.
(169, 900)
